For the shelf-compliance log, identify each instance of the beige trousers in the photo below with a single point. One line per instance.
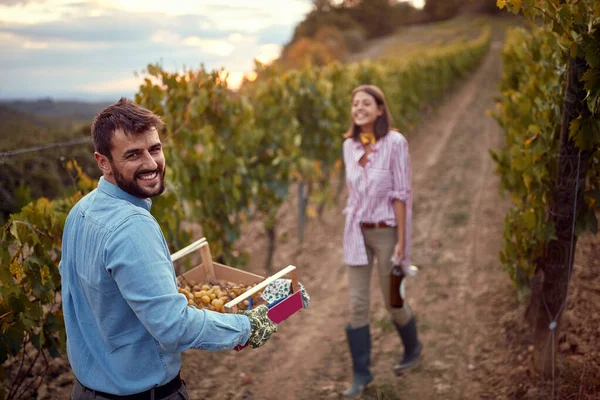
(380, 242)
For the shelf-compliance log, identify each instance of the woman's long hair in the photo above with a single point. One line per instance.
(382, 124)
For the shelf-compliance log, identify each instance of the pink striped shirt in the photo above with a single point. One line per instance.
(372, 189)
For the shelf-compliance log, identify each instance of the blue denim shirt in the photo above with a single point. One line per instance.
(126, 322)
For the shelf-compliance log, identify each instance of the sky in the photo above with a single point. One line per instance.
(91, 49)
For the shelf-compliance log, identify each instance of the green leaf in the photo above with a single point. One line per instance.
(564, 16)
(593, 101)
(297, 140)
(574, 128)
(14, 336)
(15, 232)
(573, 49)
(587, 137)
(591, 77)
(527, 179)
(17, 303)
(530, 219)
(592, 53)
(28, 324)
(38, 340)
(34, 311)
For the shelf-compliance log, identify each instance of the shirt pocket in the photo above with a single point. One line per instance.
(380, 182)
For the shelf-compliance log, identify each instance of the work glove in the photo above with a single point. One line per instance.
(261, 327)
(279, 289)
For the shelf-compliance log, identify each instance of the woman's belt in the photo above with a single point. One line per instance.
(373, 225)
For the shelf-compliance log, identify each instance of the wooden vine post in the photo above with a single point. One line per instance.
(549, 296)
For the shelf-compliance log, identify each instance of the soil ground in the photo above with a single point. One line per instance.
(470, 321)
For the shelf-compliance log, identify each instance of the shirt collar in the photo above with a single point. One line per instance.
(115, 191)
(358, 144)
(360, 150)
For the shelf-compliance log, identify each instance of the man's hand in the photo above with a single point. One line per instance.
(261, 327)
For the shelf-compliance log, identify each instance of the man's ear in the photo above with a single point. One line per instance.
(103, 163)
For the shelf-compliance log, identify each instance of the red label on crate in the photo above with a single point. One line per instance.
(281, 311)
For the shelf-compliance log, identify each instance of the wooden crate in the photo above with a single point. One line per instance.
(208, 271)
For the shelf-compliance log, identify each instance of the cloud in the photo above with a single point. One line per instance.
(126, 85)
(16, 2)
(275, 34)
(32, 12)
(35, 45)
(236, 37)
(220, 47)
(115, 27)
(268, 53)
(57, 47)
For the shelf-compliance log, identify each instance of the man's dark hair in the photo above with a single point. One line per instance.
(125, 115)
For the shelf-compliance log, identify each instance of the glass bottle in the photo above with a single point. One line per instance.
(397, 281)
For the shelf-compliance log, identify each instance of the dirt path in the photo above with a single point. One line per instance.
(457, 230)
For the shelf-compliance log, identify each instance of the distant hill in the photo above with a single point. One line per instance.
(21, 128)
(36, 162)
(14, 118)
(63, 109)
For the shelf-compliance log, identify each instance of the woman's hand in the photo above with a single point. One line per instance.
(398, 255)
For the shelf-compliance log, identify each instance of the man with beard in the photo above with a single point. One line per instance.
(126, 323)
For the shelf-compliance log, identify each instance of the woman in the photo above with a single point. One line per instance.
(378, 220)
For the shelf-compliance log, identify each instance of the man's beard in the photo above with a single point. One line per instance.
(134, 189)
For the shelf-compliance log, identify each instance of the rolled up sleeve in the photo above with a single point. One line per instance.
(400, 163)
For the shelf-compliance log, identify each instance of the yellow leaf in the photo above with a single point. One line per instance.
(573, 49)
(516, 5)
(296, 175)
(311, 212)
(16, 269)
(530, 140)
(527, 179)
(529, 219)
(501, 4)
(534, 129)
(45, 273)
(318, 167)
